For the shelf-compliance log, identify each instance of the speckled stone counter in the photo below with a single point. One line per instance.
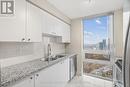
(10, 75)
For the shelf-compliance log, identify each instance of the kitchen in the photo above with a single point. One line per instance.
(42, 42)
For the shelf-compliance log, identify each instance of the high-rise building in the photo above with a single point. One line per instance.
(101, 45)
(104, 44)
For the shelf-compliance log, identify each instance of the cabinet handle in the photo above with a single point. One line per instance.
(37, 74)
(23, 39)
(29, 39)
(31, 77)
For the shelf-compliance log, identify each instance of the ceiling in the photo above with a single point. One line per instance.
(80, 8)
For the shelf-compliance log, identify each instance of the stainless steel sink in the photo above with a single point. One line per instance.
(60, 56)
(52, 58)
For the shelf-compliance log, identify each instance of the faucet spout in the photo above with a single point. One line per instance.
(49, 52)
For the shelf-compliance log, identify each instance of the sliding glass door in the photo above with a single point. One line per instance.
(98, 41)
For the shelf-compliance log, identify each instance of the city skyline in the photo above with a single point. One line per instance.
(99, 46)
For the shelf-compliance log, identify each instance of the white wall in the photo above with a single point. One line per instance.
(76, 45)
(118, 33)
(50, 8)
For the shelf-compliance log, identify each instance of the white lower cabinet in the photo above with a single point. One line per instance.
(55, 76)
(63, 71)
(45, 78)
(28, 82)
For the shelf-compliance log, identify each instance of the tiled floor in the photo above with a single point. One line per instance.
(88, 81)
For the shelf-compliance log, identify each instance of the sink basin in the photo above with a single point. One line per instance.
(52, 58)
(59, 56)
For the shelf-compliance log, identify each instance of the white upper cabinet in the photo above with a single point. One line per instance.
(66, 33)
(55, 27)
(50, 25)
(47, 23)
(29, 22)
(58, 27)
(12, 28)
(23, 26)
(34, 23)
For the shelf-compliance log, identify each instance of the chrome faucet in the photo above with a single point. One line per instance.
(49, 52)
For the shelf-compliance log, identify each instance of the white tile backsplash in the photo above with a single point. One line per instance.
(10, 49)
(13, 51)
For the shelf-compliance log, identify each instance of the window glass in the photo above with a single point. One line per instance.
(96, 33)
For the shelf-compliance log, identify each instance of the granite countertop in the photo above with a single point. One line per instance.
(10, 75)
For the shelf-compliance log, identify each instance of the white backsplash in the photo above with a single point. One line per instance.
(13, 53)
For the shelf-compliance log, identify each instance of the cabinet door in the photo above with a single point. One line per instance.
(44, 30)
(34, 23)
(57, 27)
(29, 82)
(66, 33)
(54, 76)
(49, 24)
(12, 28)
(63, 73)
(46, 78)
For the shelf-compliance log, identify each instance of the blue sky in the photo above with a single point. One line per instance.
(95, 29)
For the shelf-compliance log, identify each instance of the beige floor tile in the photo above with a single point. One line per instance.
(88, 81)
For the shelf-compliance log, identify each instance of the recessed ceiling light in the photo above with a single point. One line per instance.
(87, 1)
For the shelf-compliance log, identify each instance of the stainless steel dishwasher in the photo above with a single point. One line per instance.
(73, 66)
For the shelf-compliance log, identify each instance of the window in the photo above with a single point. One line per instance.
(96, 33)
(98, 36)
